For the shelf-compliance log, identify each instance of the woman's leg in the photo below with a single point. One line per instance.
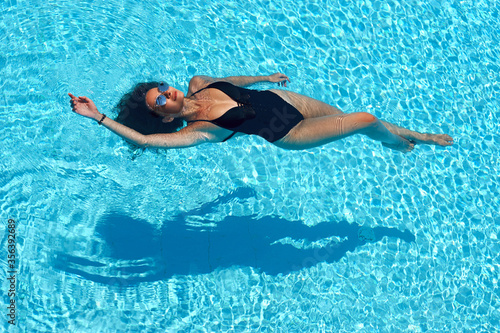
(312, 108)
(318, 131)
(420, 138)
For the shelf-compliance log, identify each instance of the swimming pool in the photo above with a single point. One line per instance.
(211, 238)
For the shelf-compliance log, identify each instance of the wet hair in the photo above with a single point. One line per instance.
(134, 113)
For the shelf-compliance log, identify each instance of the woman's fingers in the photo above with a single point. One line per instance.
(281, 79)
(83, 99)
(73, 102)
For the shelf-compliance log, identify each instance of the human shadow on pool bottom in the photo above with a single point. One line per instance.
(136, 251)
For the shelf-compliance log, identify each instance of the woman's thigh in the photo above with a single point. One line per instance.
(309, 107)
(318, 131)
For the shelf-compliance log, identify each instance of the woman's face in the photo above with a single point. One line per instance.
(174, 101)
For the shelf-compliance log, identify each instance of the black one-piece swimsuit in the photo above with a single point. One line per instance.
(262, 113)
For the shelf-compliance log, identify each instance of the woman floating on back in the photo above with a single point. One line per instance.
(218, 109)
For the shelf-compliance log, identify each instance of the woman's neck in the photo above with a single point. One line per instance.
(194, 109)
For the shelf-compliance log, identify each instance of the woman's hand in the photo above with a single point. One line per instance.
(84, 106)
(279, 78)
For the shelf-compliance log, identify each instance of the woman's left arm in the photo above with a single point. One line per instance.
(243, 81)
(201, 81)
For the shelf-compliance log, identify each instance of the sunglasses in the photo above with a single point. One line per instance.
(161, 99)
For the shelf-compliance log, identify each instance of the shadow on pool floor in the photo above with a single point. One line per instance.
(136, 251)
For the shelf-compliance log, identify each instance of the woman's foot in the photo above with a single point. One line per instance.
(404, 145)
(442, 140)
(420, 138)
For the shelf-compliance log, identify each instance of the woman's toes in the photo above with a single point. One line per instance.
(410, 147)
(404, 145)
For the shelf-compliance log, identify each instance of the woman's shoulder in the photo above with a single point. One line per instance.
(199, 82)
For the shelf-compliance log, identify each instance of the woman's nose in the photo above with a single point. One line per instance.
(167, 94)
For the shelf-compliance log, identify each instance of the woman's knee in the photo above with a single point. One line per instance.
(365, 118)
(360, 122)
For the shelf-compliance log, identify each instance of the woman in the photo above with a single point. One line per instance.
(218, 109)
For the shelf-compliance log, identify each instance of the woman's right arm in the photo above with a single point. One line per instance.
(184, 138)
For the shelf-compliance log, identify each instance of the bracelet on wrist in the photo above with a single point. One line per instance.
(103, 117)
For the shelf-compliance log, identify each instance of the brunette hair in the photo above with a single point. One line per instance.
(134, 113)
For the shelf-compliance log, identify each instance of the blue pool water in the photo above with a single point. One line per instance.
(243, 236)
